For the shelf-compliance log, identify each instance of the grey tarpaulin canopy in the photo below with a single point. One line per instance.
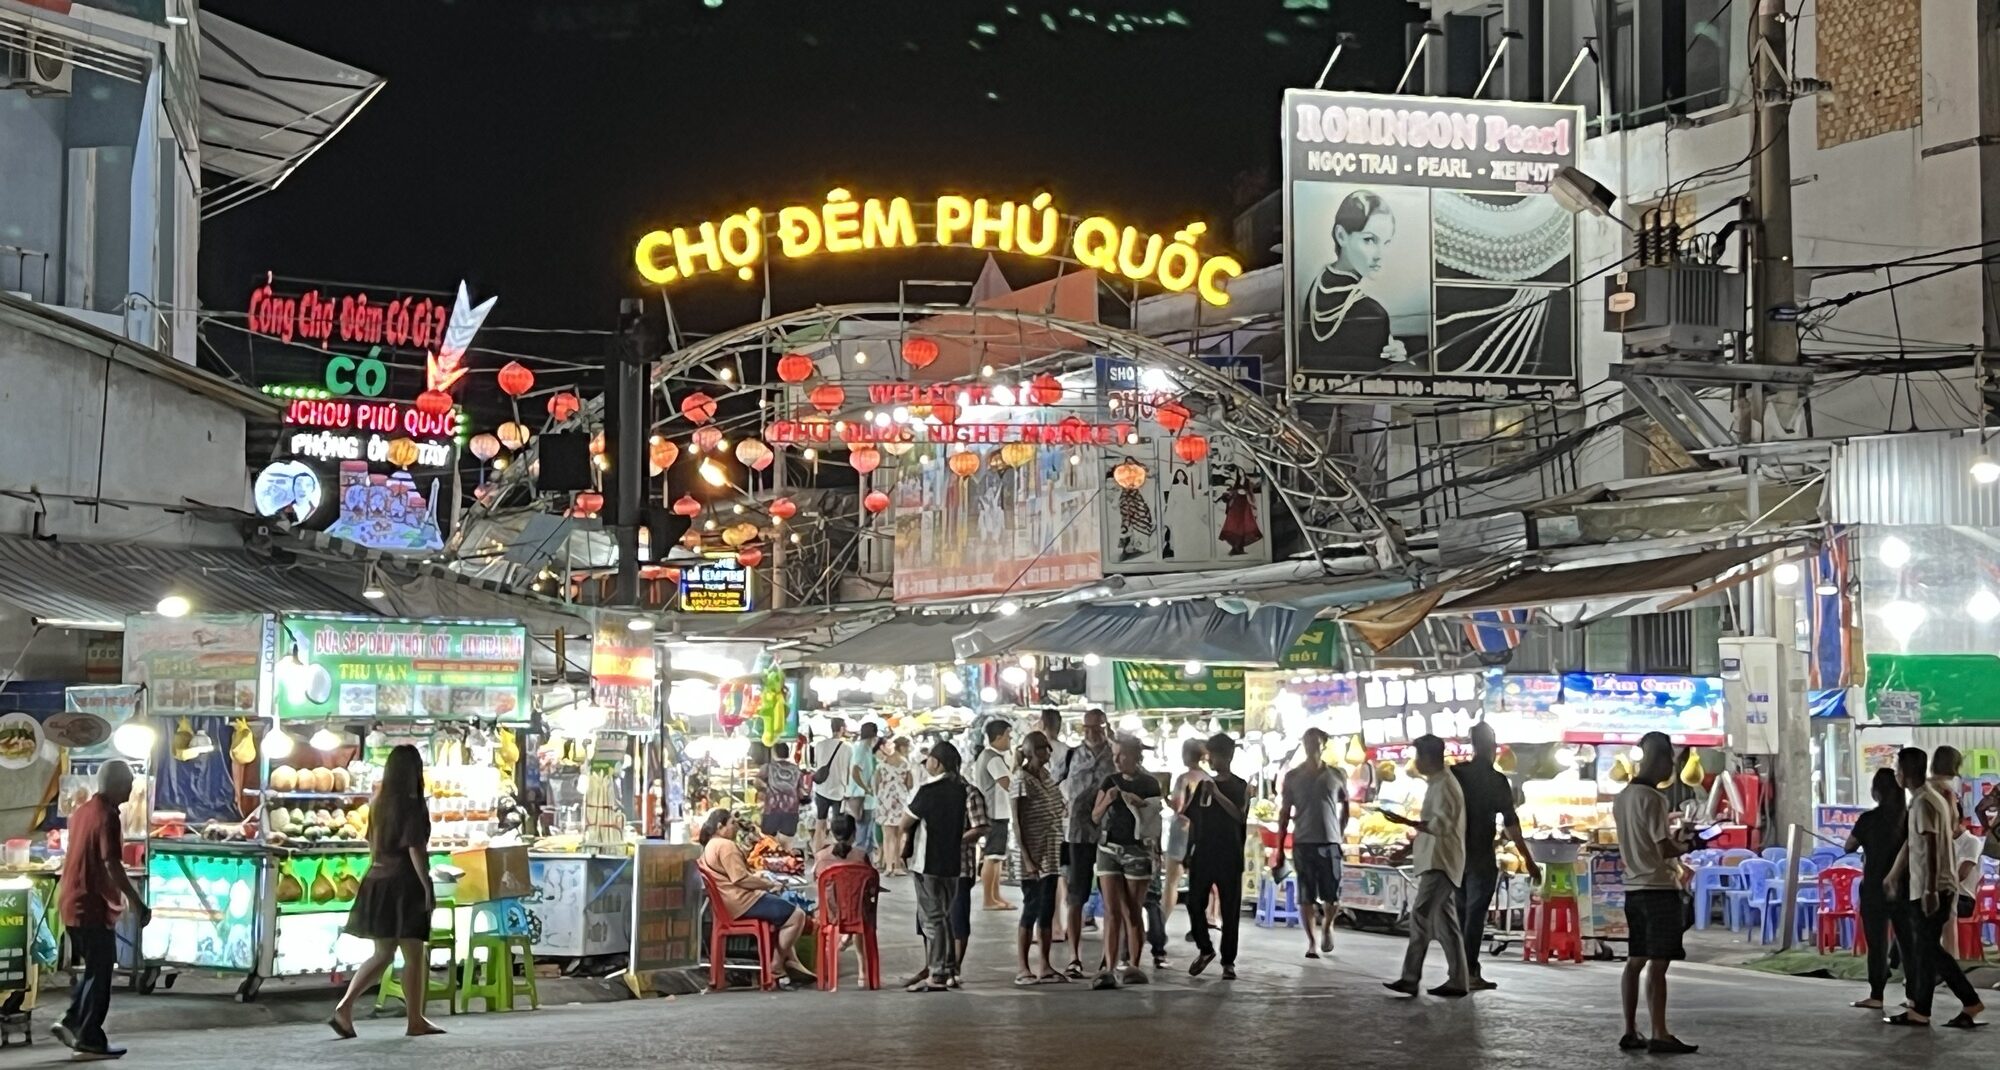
(908, 639)
(103, 584)
(1194, 630)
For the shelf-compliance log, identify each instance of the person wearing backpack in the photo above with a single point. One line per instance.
(833, 761)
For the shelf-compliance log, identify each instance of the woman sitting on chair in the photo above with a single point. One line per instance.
(841, 852)
(747, 893)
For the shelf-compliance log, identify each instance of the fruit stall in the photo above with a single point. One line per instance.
(267, 896)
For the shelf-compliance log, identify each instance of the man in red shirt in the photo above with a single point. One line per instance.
(95, 890)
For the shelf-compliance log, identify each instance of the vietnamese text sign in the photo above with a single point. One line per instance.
(721, 586)
(1155, 685)
(1424, 256)
(362, 668)
(15, 937)
(1835, 823)
(213, 664)
(1602, 886)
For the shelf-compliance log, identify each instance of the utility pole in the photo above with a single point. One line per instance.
(1774, 336)
(627, 421)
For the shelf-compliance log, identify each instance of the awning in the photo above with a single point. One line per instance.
(1182, 631)
(103, 584)
(909, 639)
(266, 106)
(1680, 574)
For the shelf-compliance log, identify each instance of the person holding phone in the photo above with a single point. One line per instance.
(1653, 912)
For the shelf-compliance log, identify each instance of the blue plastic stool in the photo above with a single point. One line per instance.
(1269, 911)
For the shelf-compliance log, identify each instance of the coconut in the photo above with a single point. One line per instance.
(341, 781)
(284, 778)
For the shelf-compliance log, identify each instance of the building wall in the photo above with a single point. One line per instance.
(32, 129)
(66, 412)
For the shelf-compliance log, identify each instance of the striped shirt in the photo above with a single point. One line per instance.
(1041, 820)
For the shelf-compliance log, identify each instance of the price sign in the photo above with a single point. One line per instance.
(716, 587)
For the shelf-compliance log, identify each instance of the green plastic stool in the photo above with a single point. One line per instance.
(447, 989)
(492, 979)
(1558, 880)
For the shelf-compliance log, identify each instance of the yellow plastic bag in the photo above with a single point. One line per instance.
(242, 748)
(1691, 772)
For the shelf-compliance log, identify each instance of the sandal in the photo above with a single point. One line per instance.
(1025, 980)
(1964, 1021)
(1871, 1004)
(1906, 1019)
(1051, 978)
(1074, 971)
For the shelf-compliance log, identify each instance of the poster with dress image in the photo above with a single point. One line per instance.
(1424, 255)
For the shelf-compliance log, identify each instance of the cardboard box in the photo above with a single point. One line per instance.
(492, 873)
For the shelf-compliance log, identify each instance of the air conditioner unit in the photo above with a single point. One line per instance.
(41, 67)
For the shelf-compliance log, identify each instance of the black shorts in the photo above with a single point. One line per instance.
(961, 909)
(1318, 869)
(1038, 902)
(776, 824)
(1655, 920)
(1077, 862)
(824, 807)
(996, 839)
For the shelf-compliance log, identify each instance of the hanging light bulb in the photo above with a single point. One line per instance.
(277, 745)
(135, 740)
(376, 739)
(1193, 668)
(1985, 469)
(953, 684)
(324, 740)
(1826, 588)
(1786, 574)
(1013, 676)
(712, 473)
(1982, 606)
(1903, 617)
(1027, 662)
(1091, 659)
(1893, 552)
(172, 605)
(200, 743)
(988, 694)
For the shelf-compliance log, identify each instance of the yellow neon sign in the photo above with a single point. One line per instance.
(841, 225)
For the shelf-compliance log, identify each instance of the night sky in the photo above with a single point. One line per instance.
(526, 145)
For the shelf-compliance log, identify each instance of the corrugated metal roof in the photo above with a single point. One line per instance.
(83, 581)
(1912, 479)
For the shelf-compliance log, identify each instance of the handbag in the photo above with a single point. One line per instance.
(825, 772)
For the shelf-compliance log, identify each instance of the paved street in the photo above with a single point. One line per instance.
(1285, 1012)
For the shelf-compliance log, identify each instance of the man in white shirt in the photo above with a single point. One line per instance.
(832, 763)
(996, 778)
(1654, 917)
(1440, 865)
(1927, 870)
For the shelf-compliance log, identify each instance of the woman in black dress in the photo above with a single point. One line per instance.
(394, 906)
(1341, 326)
(1878, 835)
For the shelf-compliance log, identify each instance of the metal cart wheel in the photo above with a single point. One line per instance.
(145, 980)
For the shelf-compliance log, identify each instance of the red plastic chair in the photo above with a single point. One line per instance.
(1987, 909)
(1838, 906)
(722, 928)
(847, 897)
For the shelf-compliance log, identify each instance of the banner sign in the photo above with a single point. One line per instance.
(1018, 528)
(365, 669)
(719, 586)
(1600, 877)
(622, 674)
(1424, 256)
(1154, 685)
(1835, 823)
(15, 912)
(209, 665)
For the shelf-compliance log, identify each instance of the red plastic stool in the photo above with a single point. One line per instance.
(1553, 930)
(722, 927)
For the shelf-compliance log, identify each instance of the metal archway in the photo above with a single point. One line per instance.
(1319, 493)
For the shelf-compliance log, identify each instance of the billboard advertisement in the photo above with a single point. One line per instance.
(1005, 528)
(1424, 255)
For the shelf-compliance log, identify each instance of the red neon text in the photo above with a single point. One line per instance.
(384, 416)
(415, 322)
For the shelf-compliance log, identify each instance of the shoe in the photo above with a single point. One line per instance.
(1229, 973)
(1407, 988)
(1905, 1019)
(63, 1034)
(1670, 1045)
(1200, 963)
(1105, 980)
(344, 1032)
(1160, 962)
(1449, 991)
(1074, 970)
(1964, 1021)
(1481, 984)
(97, 1054)
(1631, 1042)
(1136, 976)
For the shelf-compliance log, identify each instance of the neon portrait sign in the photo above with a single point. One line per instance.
(842, 225)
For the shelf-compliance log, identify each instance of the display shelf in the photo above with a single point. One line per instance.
(308, 794)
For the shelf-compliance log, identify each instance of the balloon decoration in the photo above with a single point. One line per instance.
(698, 407)
(516, 379)
(402, 453)
(1191, 448)
(865, 459)
(827, 397)
(782, 508)
(706, 438)
(875, 502)
(1172, 415)
(1045, 389)
(772, 711)
(795, 367)
(687, 506)
(1130, 475)
(738, 534)
(1016, 454)
(588, 503)
(754, 453)
(919, 352)
(434, 403)
(484, 446)
(964, 463)
(564, 405)
(662, 454)
(750, 557)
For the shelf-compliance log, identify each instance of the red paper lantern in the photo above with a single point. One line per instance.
(827, 397)
(875, 502)
(597, 444)
(1191, 448)
(783, 508)
(865, 459)
(1130, 475)
(795, 367)
(945, 411)
(750, 557)
(434, 402)
(964, 464)
(754, 453)
(564, 405)
(1045, 389)
(685, 505)
(698, 407)
(588, 503)
(1172, 415)
(919, 352)
(515, 379)
(707, 437)
(663, 453)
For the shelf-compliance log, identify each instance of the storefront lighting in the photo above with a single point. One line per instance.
(810, 454)
(135, 740)
(376, 738)
(1786, 574)
(1013, 676)
(901, 415)
(953, 684)
(712, 473)
(172, 605)
(1090, 660)
(325, 739)
(1982, 606)
(1893, 552)
(986, 371)
(987, 694)
(1193, 668)
(1076, 458)
(1001, 396)
(926, 693)
(1132, 438)
(1985, 469)
(1028, 662)
(639, 624)
(860, 356)
(738, 509)
(1153, 601)
(1156, 379)
(277, 745)
(1826, 588)
(1008, 608)
(882, 419)
(1903, 617)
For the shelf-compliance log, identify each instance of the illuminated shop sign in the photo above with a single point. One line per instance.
(354, 318)
(387, 417)
(842, 224)
(720, 586)
(1069, 432)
